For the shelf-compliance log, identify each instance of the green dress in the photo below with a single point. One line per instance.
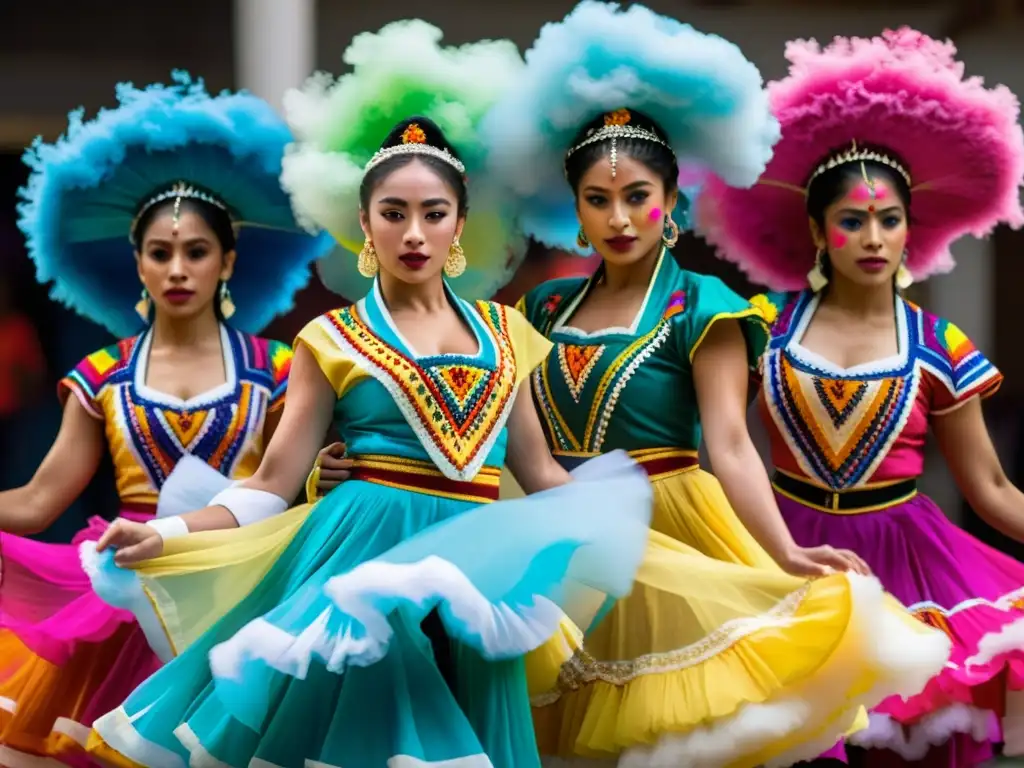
(716, 657)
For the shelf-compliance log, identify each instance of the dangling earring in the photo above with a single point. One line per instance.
(142, 306)
(227, 306)
(581, 239)
(455, 264)
(368, 264)
(816, 277)
(670, 235)
(903, 277)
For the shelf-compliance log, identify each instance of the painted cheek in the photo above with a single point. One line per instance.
(656, 214)
(837, 239)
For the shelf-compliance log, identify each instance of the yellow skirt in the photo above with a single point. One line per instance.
(711, 662)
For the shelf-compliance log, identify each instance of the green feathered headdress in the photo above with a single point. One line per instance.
(400, 71)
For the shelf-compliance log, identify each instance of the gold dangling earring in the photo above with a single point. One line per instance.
(142, 306)
(368, 264)
(903, 277)
(581, 239)
(816, 277)
(227, 305)
(670, 235)
(455, 264)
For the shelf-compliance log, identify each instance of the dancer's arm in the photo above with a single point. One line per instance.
(281, 474)
(528, 456)
(62, 476)
(967, 447)
(721, 378)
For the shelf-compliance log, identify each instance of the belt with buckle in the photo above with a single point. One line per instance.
(844, 502)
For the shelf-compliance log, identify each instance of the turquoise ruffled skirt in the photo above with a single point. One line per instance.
(325, 663)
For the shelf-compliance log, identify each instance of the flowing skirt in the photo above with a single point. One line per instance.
(66, 656)
(717, 658)
(325, 659)
(970, 591)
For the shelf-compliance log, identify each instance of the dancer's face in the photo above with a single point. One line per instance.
(623, 216)
(865, 232)
(412, 219)
(181, 264)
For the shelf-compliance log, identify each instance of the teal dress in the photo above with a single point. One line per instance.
(325, 661)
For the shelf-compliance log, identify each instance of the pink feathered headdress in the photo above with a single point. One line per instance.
(904, 93)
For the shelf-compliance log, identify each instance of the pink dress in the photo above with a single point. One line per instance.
(848, 446)
(65, 655)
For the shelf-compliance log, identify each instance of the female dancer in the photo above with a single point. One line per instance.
(706, 663)
(188, 184)
(880, 137)
(423, 386)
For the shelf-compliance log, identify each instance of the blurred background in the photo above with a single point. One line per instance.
(57, 55)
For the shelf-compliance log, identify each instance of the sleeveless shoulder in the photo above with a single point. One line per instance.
(958, 368)
(88, 380)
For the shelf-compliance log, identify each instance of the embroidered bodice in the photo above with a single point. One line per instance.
(850, 428)
(630, 388)
(149, 431)
(448, 409)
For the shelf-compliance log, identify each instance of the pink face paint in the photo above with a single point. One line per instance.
(837, 238)
(864, 192)
(656, 214)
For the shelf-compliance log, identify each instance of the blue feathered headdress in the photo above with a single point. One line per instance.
(85, 189)
(698, 88)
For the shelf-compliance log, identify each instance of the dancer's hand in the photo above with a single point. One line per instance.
(334, 467)
(821, 561)
(132, 541)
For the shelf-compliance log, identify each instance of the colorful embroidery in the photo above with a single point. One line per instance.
(456, 405)
(934, 617)
(764, 305)
(961, 368)
(676, 305)
(280, 357)
(843, 427)
(150, 432)
(839, 428)
(577, 362)
(606, 395)
(551, 305)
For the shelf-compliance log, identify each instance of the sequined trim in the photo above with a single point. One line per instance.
(839, 426)
(456, 406)
(839, 430)
(218, 427)
(583, 669)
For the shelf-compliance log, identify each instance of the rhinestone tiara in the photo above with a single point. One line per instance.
(616, 132)
(415, 149)
(855, 155)
(178, 190)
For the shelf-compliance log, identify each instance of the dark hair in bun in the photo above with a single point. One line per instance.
(427, 132)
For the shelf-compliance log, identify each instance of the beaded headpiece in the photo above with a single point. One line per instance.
(903, 95)
(855, 155)
(180, 190)
(414, 142)
(616, 126)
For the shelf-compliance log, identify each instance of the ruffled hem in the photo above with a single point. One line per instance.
(913, 742)
(559, 549)
(157, 757)
(879, 651)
